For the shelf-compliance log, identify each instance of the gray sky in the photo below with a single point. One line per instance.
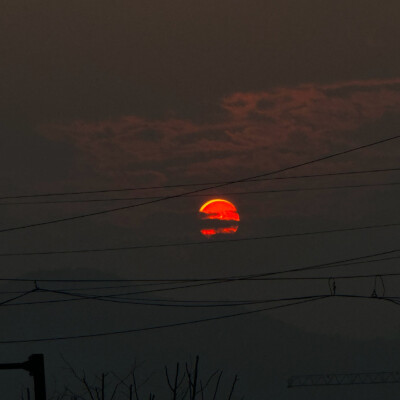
(125, 94)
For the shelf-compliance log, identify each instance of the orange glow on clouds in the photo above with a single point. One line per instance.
(220, 209)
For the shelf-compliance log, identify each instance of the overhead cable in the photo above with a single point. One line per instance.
(248, 192)
(174, 186)
(329, 264)
(197, 243)
(112, 210)
(286, 278)
(156, 327)
(183, 323)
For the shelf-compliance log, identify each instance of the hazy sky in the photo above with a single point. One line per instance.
(125, 94)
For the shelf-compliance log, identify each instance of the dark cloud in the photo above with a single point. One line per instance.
(302, 121)
(73, 59)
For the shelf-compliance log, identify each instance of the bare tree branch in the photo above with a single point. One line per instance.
(115, 390)
(168, 381)
(80, 379)
(185, 385)
(175, 387)
(196, 371)
(208, 381)
(233, 387)
(134, 384)
(121, 380)
(217, 385)
(97, 392)
(190, 383)
(201, 390)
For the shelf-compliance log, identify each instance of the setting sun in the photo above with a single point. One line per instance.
(222, 210)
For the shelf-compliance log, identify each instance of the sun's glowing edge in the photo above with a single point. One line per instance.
(213, 201)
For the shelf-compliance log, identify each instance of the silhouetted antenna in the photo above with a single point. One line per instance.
(344, 379)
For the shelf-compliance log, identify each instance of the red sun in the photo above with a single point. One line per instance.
(219, 209)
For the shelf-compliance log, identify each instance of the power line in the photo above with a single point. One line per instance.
(342, 262)
(211, 281)
(130, 189)
(91, 288)
(287, 278)
(16, 297)
(111, 210)
(169, 303)
(198, 243)
(183, 323)
(215, 304)
(338, 276)
(158, 301)
(116, 297)
(248, 192)
(173, 303)
(140, 301)
(215, 281)
(146, 301)
(156, 327)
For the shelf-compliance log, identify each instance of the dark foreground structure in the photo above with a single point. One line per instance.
(35, 367)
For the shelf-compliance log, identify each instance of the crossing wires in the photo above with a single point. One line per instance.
(194, 191)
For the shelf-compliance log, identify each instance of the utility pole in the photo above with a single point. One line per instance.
(35, 367)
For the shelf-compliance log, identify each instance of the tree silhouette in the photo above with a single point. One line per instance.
(181, 384)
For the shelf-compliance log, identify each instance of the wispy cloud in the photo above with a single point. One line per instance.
(256, 131)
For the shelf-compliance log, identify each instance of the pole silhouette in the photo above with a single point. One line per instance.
(35, 367)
